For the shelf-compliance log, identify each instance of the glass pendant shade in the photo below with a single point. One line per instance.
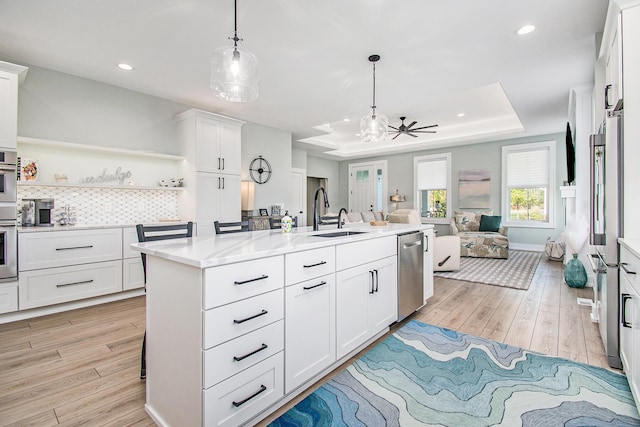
(234, 74)
(374, 127)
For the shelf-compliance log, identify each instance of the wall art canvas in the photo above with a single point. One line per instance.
(474, 189)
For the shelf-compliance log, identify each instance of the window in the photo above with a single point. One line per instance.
(432, 181)
(528, 174)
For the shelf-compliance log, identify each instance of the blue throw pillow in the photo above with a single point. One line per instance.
(490, 223)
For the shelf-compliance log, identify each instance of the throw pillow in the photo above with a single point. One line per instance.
(490, 223)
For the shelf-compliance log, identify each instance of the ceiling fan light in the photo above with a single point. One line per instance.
(374, 127)
(234, 74)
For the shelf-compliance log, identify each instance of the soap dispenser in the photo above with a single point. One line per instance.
(286, 223)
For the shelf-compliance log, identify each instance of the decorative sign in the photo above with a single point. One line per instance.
(118, 176)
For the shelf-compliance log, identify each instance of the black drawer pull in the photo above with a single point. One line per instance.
(306, 288)
(239, 358)
(242, 402)
(74, 247)
(262, 313)
(250, 280)
(623, 265)
(62, 285)
(623, 314)
(315, 265)
(373, 289)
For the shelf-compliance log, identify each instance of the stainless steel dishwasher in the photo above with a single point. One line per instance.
(410, 273)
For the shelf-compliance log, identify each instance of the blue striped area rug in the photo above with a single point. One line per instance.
(427, 375)
(514, 272)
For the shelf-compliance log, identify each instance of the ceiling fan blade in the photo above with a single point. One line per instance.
(410, 134)
(425, 131)
(425, 127)
(397, 135)
(412, 123)
(394, 128)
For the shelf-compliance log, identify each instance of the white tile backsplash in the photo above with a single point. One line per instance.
(107, 205)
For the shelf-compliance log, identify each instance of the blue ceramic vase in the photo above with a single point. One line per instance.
(574, 273)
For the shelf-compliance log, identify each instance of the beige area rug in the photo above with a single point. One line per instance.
(514, 272)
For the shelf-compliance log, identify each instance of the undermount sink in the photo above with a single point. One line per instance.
(339, 234)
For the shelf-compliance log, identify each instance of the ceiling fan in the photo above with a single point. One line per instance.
(407, 130)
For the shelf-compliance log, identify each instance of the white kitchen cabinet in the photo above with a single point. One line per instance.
(132, 271)
(8, 297)
(309, 329)
(613, 67)
(10, 76)
(630, 318)
(428, 264)
(218, 199)
(211, 147)
(366, 302)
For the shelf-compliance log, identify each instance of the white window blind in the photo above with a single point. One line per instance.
(528, 168)
(432, 174)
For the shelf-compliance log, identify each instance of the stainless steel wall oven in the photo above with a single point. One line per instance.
(8, 217)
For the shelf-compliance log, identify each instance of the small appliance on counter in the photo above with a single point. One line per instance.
(44, 212)
(28, 212)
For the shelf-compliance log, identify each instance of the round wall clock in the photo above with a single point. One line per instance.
(260, 170)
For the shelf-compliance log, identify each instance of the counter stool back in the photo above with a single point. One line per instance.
(232, 227)
(149, 233)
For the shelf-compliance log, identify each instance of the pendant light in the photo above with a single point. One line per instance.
(374, 127)
(234, 70)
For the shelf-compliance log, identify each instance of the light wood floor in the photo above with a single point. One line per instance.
(82, 367)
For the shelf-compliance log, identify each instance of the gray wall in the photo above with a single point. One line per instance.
(474, 156)
(275, 146)
(62, 107)
(330, 169)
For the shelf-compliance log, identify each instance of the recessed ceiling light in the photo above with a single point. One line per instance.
(125, 67)
(526, 29)
(347, 120)
(460, 114)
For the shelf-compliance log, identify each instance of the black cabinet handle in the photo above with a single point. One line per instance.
(426, 244)
(62, 285)
(377, 281)
(262, 313)
(250, 280)
(74, 247)
(623, 265)
(239, 358)
(606, 97)
(315, 265)
(306, 288)
(223, 163)
(218, 163)
(623, 314)
(372, 286)
(242, 402)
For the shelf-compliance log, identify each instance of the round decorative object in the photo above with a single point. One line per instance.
(574, 273)
(260, 170)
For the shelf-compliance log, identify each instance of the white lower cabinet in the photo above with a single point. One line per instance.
(309, 329)
(8, 297)
(243, 396)
(630, 319)
(366, 302)
(56, 285)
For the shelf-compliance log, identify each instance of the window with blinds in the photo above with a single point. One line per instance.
(528, 176)
(432, 184)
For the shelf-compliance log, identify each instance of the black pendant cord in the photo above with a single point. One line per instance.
(235, 37)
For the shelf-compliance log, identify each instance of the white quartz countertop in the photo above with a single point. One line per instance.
(58, 227)
(210, 251)
(632, 244)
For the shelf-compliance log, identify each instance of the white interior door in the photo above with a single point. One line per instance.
(299, 195)
(368, 186)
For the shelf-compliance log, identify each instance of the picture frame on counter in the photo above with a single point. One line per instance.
(264, 212)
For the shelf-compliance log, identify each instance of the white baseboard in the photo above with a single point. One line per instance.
(526, 247)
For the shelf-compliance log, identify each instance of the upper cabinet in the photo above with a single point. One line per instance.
(210, 142)
(11, 76)
(613, 66)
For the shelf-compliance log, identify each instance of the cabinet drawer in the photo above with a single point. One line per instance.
(55, 285)
(233, 282)
(357, 253)
(132, 273)
(129, 236)
(232, 320)
(241, 397)
(305, 265)
(630, 264)
(236, 355)
(8, 298)
(61, 248)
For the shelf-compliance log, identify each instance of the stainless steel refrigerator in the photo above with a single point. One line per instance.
(606, 226)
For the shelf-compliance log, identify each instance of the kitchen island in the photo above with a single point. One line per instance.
(239, 324)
